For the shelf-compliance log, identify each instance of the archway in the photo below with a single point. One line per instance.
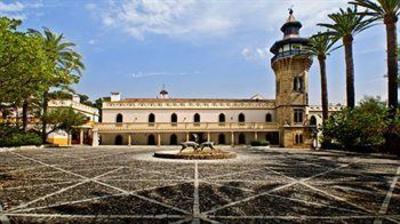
(221, 139)
(313, 121)
(242, 139)
(118, 140)
(173, 139)
(151, 140)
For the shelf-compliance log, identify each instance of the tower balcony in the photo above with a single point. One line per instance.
(290, 53)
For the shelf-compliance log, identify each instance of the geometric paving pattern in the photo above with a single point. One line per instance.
(118, 185)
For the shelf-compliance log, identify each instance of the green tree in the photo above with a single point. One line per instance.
(320, 46)
(358, 128)
(345, 24)
(67, 67)
(63, 119)
(388, 12)
(24, 63)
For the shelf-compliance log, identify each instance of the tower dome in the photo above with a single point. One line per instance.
(292, 43)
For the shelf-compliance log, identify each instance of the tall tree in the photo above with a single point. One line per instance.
(320, 46)
(67, 67)
(388, 12)
(345, 24)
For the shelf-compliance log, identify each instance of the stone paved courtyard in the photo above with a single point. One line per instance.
(126, 185)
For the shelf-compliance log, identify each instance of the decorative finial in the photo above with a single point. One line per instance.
(291, 10)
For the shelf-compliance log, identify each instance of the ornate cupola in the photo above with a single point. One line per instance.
(291, 44)
(291, 63)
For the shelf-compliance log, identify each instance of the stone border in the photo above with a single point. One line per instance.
(196, 156)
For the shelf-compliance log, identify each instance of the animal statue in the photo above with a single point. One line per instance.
(207, 144)
(185, 145)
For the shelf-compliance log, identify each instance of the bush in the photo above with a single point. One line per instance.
(259, 143)
(362, 128)
(19, 139)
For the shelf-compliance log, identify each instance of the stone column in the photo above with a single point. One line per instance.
(95, 134)
(255, 136)
(158, 139)
(208, 137)
(233, 139)
(81, 136)
(129, 139)
(187, 137)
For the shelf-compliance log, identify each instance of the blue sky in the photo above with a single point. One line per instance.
(197, 48)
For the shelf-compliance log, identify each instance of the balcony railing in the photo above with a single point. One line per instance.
(289, 53)
(185, 126)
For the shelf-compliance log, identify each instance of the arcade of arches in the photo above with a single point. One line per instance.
(228, 138)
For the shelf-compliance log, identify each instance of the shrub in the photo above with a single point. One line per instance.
(19, 139)
(363, 128)
(259, 143)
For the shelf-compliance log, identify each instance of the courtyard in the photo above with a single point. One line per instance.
(128, 185)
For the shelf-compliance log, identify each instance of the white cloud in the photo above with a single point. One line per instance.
(11, 7)
(92, 42)
(255, 54)
(187, 19)
(18, 10)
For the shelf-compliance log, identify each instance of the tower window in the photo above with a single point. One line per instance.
(277, 87)
(298, 115)
(298, 84)
(313, 121)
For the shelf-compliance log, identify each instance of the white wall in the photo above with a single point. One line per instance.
(109, 115)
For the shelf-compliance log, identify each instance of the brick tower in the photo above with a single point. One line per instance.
(291, 64)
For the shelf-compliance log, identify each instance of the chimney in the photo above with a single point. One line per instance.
(115, 96)
(76, 98)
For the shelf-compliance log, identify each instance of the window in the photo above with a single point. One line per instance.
(298, 115)
(268, 117)
(152, 118)
(277, 87)
(298, 84)
(119, 118)
(174, 118)
(299, 139)
(241, 118)
(221, 118)
(196, 118)
(313, 121)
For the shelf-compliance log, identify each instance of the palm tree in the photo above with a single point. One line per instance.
(67, 70)
(346, 24)
(388, 12)
(320, 46)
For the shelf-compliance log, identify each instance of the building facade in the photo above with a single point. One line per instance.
(286, 121)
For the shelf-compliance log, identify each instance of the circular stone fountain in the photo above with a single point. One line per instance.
(190, 154)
